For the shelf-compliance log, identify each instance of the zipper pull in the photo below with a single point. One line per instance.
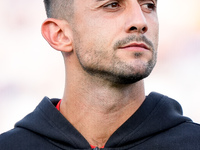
(96, 148)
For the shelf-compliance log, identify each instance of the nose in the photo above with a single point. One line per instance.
(135, 19)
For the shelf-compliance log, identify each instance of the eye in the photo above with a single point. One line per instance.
(148, 7)
(112, 6)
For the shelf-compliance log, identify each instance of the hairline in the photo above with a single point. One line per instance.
(59, 9)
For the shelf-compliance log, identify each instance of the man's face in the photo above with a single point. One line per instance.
(116, 39)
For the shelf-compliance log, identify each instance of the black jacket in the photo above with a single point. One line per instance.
(157, 125)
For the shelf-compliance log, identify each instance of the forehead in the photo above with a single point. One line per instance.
(92, 5)
(121, 0)
(80, 2)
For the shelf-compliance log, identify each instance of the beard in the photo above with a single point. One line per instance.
(116, 70)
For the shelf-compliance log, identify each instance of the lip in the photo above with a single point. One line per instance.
(135, 46)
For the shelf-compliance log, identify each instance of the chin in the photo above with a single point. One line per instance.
(123, 77)
(132, 74)
(129, 79)
(121, 72)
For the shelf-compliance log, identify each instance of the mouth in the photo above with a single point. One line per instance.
(135, 47)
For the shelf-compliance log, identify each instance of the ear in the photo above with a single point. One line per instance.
(58, 34)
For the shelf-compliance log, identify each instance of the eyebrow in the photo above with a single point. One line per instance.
(105, 0)
(146, 0)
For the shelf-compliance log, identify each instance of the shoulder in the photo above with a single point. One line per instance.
(19, 139)
(185, 135)
(189, 129)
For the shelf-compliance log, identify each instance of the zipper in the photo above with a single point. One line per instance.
(96, 148)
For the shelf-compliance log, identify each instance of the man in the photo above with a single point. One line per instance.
(109, 47)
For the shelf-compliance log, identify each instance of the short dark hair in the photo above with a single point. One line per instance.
(59, 9)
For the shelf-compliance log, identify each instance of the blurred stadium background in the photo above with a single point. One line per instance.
(30, 69)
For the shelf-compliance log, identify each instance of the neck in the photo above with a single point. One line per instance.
(98, 110)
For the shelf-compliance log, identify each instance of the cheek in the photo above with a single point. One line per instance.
(91, 48)
(153, 32)
(156, 36)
